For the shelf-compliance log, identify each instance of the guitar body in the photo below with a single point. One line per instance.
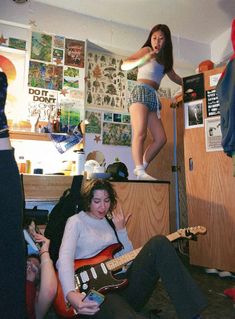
(90, 273)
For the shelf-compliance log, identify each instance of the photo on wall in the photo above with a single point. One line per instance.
(41, 47)
(193, 114)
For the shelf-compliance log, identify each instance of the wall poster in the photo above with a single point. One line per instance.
(13, 63)
(213, 134)
(105, 82)
(212, 103)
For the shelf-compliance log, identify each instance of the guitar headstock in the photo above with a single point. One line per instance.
(191, 232)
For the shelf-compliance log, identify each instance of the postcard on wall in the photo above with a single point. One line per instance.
(213, 134)
(41, 47)
(94, 122)
(116, 134)
(45, 76)
(212, 103)
(74, 53)
(193, 87)
(193, 114)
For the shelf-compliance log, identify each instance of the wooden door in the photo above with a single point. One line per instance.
(210, 197)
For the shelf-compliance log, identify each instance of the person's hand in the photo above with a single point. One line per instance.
(87, 307)
(45, 243)
(119, 219)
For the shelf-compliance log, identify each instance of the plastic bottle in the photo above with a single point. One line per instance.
(80, 162)
(22, 165)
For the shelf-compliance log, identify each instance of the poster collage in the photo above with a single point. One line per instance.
(66, 84)
(193, 95)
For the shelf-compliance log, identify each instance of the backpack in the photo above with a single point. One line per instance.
(70, 203)
(118, 171)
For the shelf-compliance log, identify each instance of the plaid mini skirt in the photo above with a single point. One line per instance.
(147, 95)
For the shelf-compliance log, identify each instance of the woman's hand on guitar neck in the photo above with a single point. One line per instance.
(82, 307)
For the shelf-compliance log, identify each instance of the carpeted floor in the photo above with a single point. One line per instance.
(219, 306)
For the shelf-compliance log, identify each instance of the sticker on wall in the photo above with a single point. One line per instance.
(213, 134)
(41, 47)
(193, 114)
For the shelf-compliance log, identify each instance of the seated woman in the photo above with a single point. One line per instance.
(89, 232)
(41, 282)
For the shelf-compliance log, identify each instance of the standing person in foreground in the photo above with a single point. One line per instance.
(154, 60)
(13, 261)
(89, 232)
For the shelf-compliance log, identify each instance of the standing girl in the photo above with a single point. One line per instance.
(154, 60)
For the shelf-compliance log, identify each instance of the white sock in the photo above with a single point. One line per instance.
(139, 169)
(145, 164)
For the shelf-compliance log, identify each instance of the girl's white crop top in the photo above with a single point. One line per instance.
(152, 71)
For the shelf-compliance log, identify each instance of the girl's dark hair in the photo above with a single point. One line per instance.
(98, 184)
(165, 56)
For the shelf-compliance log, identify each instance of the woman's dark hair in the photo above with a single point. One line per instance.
(165, 56)
(93, 185)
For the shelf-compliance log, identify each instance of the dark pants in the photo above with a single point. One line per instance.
(13, 263)
(157, 259)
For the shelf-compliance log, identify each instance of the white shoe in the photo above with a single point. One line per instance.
(145, 177)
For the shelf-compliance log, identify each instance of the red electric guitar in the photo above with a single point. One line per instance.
(96, 272)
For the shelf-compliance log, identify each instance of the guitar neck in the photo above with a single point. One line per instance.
(117, 263)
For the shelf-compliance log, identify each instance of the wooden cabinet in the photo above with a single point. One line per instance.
(148, 202)
(210, 197)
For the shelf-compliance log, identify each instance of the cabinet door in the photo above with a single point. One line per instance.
(210, 187)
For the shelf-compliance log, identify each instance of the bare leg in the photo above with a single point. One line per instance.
(139, 120)
(159, 137)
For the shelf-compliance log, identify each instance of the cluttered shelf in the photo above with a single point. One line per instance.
(21, 135)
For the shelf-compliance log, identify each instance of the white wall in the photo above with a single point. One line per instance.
(118, 38)
(221, 47)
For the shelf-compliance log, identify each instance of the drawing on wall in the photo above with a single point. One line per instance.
(45, 76)
(71, 77)
(69, 117)
(74, 53)
(116, 134)
(94, 119)
(106, 82)
(41, 47)
(58, 56)
(43, 103)
(193, 87)
(213, 134)
(193, 114)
